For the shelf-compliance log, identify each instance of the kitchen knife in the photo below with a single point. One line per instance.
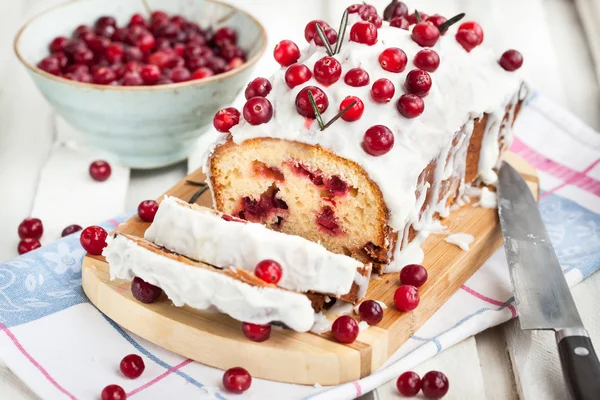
(541, 291)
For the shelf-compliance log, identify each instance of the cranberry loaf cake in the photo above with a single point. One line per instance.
(220, 240)
(363, 145)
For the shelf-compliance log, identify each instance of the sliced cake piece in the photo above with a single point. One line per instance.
(221, 240)
(231, 291)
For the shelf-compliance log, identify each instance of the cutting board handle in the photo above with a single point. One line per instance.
(580, 366)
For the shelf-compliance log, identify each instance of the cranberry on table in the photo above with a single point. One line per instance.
(286, 53)
(226, 119)
(425, 34)
(371, 312)
(237, 380)
(327, 70)
(113, 392)
(257, 110)
(406, 298)
(427, 60)
(51, 65)
(297, 74)
(31, 228)
(413, 274)
(409, 384)
(363, 32)
(356, 77)
(255, 332)
(434, 385)
(400, 22)
(475, 27)
(100, 170)
(132, 366)
(345, 329)
(93, 239)
(511, 60)
(355, 112)
(393, 59)
(410, 105)
(468, 39)
(394, 10)
(378, 140)
(147, 210)
(310, 30)
(69, 230)
(260, 87)
(304, 106)
(144, 292)
(269, 271)
(28, 244)
(418, 82)
(382, 90)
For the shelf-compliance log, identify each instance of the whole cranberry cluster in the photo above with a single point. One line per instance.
(434, 384)
(160, 50)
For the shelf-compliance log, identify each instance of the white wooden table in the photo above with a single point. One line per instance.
(501, 363)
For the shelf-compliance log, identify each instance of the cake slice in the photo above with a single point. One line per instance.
(232, 291)
(221, 240)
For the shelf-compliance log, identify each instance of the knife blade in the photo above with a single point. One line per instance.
(542, 295)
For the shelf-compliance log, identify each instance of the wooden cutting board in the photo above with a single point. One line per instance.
(288, 356)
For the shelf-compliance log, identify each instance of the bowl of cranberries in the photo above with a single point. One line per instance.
(140, 80)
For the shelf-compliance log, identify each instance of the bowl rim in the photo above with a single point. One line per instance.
(143, 88)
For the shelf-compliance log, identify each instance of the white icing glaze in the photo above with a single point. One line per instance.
(487, 199)
(363, 326)
(201, 234)
(465, 86)
(462, 240)
(321, 325)
(203, 289)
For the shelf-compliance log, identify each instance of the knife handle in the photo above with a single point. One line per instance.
(580, 365)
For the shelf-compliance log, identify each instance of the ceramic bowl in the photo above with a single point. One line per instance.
(143, 126)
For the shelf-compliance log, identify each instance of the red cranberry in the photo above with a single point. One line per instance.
(237, 380)
(162, 59)
(150, 74)
(31, 228)
(374, 19)
(327, 70)
(409, 384)
(330, 34)
(106, 20)
(258, 110)
(132, 79)
(286, 53)
(62, 58)
(356, 77)
(363, 32)
(229, 52)
(179, 49)
(178, 20)
(226, 118)
(378, 140)
(410, 105)
(434, 385)
(217, 64)
(297, 74)
(99, 44)
(145, 42)
(371, 312)
(120, 35)
(147, 210)
(80, 30)
(427, 60)
(412, 18)
(93, 239)
(114, 52)
(413, 274)
(382, 90)
(83, 56)
(132, 366)
(310, 31)
(105, 30)
(406, 298)
(304, 106)
(144, 292)
(73, 45)
(50, 64)
(100, 170)
(468, 39)
(58, 44)
(269, 271)
(393, 59)
(69, 230)
(28, 244)
(88, 37)
(345, 329)
(78, 69)
(225, 35)
(472, 26)
(354, 8)
(180, 74)
(113, 392)
(511, 60)
(354, 112)
(137, 19)
(418, 82)
(366, 10)
(260, 87)
(437, 20)
(256, 333)
(159, 15)
(396, 9)
(425, 34)
(400, 22)
(163, 80)
(202, 73)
